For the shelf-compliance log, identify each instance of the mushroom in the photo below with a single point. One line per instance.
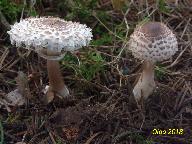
(51, 37)
(151, 42)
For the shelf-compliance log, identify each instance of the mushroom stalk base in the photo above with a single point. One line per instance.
(55, 79)
(146, 83)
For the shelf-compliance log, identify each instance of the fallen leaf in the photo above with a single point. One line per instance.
(15, 98)
(188, 110)
(22, 84)
(118, 4)
(71, 133)
(92, 137)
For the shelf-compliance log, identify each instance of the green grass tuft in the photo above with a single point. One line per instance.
(10, 9)
(162, 6)
(90, 64)
(160, 72)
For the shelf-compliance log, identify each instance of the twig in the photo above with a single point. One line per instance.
(94, 14)
(185, 28)
(92, 137)
(118, 56)
(24, 5)
(52, 138)
(176, 60)
(3, 57)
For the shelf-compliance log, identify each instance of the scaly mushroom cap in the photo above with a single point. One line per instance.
(153, 41)
(50, 37)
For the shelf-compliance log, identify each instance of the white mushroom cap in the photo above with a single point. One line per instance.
(50, 37)
(153, 41)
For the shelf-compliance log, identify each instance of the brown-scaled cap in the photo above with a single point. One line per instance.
(153, 41)
(51, 37)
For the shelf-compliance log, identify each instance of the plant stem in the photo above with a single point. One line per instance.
(146, 83)
(55, 78)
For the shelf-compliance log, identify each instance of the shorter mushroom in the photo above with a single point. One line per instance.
(151, 42)
(51, 37)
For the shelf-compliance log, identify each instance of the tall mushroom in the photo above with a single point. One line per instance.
(51, 37)
(151, 42)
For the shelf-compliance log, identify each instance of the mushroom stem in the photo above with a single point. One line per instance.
(55, 79)
(146, 83)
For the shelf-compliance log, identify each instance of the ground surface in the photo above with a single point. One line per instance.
(102, 110)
